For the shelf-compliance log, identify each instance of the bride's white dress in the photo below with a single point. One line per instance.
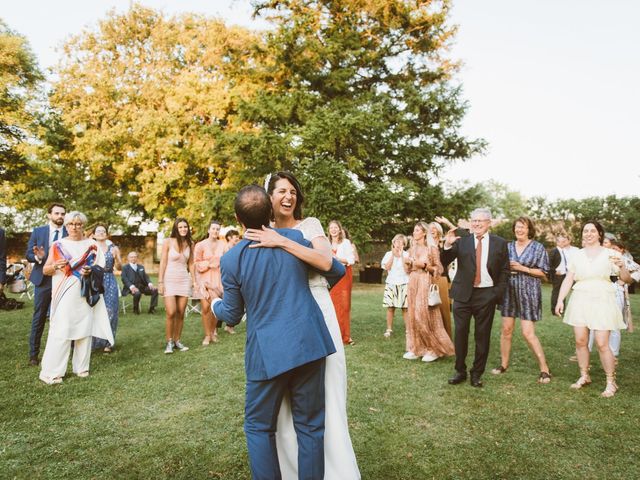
(339, 457)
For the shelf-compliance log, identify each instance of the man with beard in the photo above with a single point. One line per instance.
(37, 253)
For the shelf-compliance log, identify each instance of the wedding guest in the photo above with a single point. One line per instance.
(426, 337)
(111, 259)
(558, 261)
(136, 282)
(480, 282)
(38, 253)
(395, 288)
(593, 303)
(341, 293)
(73, 317)
(207, 269)
(529, 264)
(232, 237)
(443, 281)
(175, 281)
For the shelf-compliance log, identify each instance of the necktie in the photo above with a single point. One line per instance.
(564, 260)
(55, 235)
(476, 280)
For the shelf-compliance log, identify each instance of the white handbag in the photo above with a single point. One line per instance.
(434, 295)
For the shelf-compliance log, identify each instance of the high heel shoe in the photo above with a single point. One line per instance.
(611, 388)
(584, 380)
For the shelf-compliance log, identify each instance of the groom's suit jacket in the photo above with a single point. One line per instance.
(285, 326)
(497, 265)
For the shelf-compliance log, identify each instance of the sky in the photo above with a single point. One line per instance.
(553, 86)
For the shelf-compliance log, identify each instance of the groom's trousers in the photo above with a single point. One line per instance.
(305, 385)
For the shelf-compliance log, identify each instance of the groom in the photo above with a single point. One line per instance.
(287, 341)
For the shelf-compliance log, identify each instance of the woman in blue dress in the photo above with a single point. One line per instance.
(112, 258)
(529, 264)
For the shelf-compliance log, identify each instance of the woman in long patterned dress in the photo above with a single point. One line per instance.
(111, 259)
(342, 250)
(340, 459)
(443, 281)
(529, 264)
(175, 280)
(207, 255)
(426, 337)
(593, 304)
(71, 317)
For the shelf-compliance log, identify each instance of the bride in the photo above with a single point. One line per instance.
(340, 461)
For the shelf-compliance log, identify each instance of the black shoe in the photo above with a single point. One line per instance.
(476, 382)
(152, 311)
(136, 311)
(34, 362)
(459, 377)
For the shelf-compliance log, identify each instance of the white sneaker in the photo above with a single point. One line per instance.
(429, 358)
(181, 346)
(169, 347)
(409, 356)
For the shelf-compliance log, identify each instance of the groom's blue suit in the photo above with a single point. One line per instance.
(287, 342)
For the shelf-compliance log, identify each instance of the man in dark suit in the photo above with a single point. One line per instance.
(3, 260)
(136, 282)
(37, 253)
(479, 284)
(287, 341)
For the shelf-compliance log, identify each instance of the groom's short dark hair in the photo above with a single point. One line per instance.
(253, 207)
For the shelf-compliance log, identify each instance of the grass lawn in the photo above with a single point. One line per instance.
(143, 414)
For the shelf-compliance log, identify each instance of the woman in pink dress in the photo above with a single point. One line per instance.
(207, 255)
(175, 280)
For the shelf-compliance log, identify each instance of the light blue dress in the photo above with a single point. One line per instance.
(110, 298)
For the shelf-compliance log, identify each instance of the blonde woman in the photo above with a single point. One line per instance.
(395, 289)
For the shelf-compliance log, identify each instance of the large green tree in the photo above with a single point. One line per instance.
(359, 99)
(19, 81)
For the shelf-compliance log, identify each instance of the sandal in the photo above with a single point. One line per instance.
(107, 350)
(388, 333)
(214, 338)
(545, 377)
(583, 381)
(499, 370)
(612, 386)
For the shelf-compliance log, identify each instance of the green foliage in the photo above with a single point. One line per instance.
(19, 79)
(360, 92)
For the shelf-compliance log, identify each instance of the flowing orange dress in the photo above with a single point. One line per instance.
(341, 292)
(425, 331)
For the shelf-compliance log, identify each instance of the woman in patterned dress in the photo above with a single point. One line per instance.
(529, 264)
(175, 281)
(426, 337)
(207, 269)
(340, 460)
(111, 259)
(443, 281)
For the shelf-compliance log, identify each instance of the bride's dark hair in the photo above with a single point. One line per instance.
(297, 211)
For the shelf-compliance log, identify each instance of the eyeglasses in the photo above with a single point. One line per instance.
(75, 225)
